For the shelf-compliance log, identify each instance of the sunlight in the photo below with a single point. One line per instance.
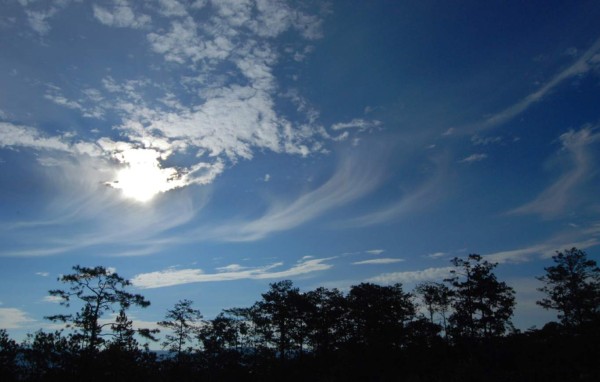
(143, 178)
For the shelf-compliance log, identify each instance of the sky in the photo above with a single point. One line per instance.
(204, 149)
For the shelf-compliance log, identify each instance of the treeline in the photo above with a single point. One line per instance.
(458, 330)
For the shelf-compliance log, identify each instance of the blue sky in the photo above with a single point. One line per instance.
(204, 148)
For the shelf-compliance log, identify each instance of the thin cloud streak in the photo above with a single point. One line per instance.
(556, 198)
(543, 250)
(353, 179)
(378, 261)
(584, 64)
(171, 277)
(423, 196)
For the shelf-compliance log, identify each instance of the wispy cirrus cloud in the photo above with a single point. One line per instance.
(353, 179)
(171, 277)
(582, 239)
(420, 197)
(588, 61)
(560, 195)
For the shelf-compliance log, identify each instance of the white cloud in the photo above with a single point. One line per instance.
(235, 115)
(24, 136)
(182, 43)
(484, 141)
(360, 124)
(120, 15)
(436, 255)
(170, 277)
(225, 117)
(43, 274)
(13, 318)
(172, 8)
(429, 274)
(378, 261)
(39, 13)
(474, 158)
(231, 268)
(52, 299)
(38, 20)
(375, 251)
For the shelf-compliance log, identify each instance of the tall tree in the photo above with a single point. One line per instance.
(219, 334)
(482, 305)
(572, 287)
(378, 315)
(276, 314)
(183, 321)
(328, 320)
(437, 299)
(101, 291)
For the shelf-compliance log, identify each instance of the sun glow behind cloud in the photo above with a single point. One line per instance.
(143, 178)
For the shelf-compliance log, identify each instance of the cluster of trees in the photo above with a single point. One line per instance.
(457, 330)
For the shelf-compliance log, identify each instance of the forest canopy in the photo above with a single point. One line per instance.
(462, 326)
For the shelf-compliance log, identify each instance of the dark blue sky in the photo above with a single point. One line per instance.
(204, 149)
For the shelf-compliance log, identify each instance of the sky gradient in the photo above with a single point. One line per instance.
(205, 149)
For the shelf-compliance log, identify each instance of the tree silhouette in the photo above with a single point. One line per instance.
(372, 332)
(437, 299)
(482, 305)
(183, 321)
(8, 357)
(572, 287)
(101, 291)
(275, 315)
(49, 354)
(328, 321)
(378, 315)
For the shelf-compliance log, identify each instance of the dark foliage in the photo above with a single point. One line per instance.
(572, 287)
(371, 333)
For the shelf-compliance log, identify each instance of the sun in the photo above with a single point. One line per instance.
(143, 178)
(139, 183)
